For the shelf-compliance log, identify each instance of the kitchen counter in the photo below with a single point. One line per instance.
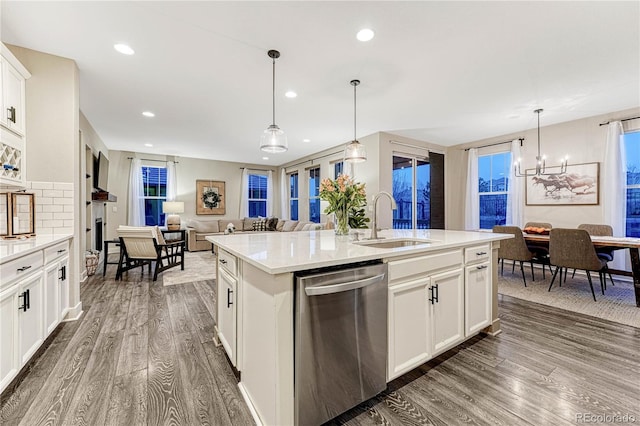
(13, 249)
(279, 252)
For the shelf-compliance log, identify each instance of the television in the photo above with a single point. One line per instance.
(101, 172)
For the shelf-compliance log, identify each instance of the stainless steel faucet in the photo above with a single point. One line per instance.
(374, 216)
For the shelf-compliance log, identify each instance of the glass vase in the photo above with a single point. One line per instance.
(341, 221)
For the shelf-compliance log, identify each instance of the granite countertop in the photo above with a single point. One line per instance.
(13, 249)
(280, 252)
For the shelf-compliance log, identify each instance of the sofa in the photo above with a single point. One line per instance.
(198, 230)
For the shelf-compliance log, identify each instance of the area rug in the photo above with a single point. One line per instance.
(198, 266)
(617, 305)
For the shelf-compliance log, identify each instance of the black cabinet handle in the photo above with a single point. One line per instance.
(63, 273)
(482, 253)
(11, 114)
(481, 267)
(28, 302)
(24, 268)
(434, 294)
(229, 293)
(24, 301)
(224, 262)
(62, 250)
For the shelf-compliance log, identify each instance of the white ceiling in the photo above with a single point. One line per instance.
(444, 72)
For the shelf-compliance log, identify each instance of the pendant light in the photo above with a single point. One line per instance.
(273, 139)
(540, 160)
(355, 152)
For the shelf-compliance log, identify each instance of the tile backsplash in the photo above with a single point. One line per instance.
(54, 206)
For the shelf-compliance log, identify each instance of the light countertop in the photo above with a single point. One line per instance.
(13, 249)
(279, 252)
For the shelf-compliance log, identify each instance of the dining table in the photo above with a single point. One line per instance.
(614, 243)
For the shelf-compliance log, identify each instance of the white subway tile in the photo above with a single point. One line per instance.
(65, 186)
(63, 230)
(68, 208)
(44, 200)
(45, 216)
(37, 193)
(27, 185)
(52, 223)
(52, 208)
(62, 201)
(62, 215)
(38, 224)
(38, 208)
(68, 194)
(44, 230)
(42, 185)
(67, 223)
(52, 193)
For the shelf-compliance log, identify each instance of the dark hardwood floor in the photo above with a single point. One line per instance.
(143, 353)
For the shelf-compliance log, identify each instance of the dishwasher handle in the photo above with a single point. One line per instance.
(346, 286)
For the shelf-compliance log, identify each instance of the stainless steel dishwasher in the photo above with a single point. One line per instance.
(340, 340)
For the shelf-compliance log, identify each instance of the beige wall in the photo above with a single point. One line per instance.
(188, 170)
(583, 140)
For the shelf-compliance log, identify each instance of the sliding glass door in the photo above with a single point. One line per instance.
(412, 192)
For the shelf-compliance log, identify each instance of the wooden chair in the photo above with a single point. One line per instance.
(142, 245)
(604, 253)
(572, 248)
(514, 249)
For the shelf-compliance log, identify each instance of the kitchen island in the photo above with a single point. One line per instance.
(442, 290)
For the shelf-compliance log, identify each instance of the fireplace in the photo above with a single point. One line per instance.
(98, 228)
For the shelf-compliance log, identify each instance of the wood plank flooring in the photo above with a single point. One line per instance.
(144, 354)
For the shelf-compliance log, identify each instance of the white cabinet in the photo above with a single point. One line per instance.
(51, 297)
(228, 304)
(477, 289)
(56, 285)
(447, 310)
(30, 316)
(63, 286)
(13, 76)
(9, 363)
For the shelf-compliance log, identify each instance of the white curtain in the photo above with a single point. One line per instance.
(136, 194)
(270, 193)
(172, 181)
(244, 193)
(284, 195)
(472, 204)
(515, 196)
(614, 181)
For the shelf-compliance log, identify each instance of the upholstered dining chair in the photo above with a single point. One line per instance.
(514, 249)
(572, 248)
(604, 253)
(541, 252)
(142, 245)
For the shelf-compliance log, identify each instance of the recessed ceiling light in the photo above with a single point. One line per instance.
(306, 140)
(265, 158)
(148, 114)
(125, 49)
(291, 94)
(148, 144)
(365, 34)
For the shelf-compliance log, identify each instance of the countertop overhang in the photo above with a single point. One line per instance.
(282, 252)
(13, 249)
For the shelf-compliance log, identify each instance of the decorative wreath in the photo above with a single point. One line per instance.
(210, 198)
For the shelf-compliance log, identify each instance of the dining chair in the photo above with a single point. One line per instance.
(604, 253)
(514, 249)
(572, 248)
(541, 252)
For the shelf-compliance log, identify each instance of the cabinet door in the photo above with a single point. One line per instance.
(9, 363)
(13, 85)
(447, 313)
(31, 321)
(51, 298)
(408, 326)
(227, 318)
(477, 298)
(63, 287)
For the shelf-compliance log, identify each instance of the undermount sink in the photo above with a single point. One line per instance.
(394, 243)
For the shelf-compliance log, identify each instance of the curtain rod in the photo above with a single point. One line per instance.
(624, 119)
(150, 159)
(257, 170)
(313, 159)
(408, 145)
(494, 144)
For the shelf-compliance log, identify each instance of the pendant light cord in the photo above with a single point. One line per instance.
(273, 92)
(354, 112)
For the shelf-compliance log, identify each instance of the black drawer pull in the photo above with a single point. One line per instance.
(28, 302)
(482, 267)
(11, 114)
(24, 268)
(62, 250)
(229, 293)
(24, 301)
(482, 253)
(224, 262)
(434, 294)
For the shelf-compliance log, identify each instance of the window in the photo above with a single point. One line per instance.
(154, 180)
(493, 183)
(293, 196)
(257, 195)
(412, 192)
(314, 194)
(338, 169)
(632, 149)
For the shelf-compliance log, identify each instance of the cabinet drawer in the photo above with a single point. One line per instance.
(477, 254)
(228, 262)
(54, 252)
(424, 264)
(20, 267)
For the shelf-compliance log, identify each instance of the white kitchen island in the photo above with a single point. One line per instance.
(255, 293)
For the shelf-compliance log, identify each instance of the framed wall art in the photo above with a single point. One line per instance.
(579, 186)
(210, 197)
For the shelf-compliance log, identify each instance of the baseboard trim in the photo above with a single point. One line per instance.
(74, 313)
(252, 409)
(83, 276)
(494, 329)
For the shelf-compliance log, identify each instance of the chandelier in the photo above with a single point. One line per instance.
(540, 169)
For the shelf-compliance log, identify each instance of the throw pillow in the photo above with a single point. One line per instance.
(247, 223)
(272, 222)
(289, 225)
(280, 225)
(159, 237)
(300, 225)
(260, 225)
